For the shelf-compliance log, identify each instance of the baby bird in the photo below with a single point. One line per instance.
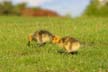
(70, 44)
(41, 37)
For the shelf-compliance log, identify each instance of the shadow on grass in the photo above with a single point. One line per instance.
(64, 52)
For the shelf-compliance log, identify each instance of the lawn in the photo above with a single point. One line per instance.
(16, 56)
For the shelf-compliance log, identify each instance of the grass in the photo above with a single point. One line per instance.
(15, 56)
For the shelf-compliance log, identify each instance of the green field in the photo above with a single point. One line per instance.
(15, 56)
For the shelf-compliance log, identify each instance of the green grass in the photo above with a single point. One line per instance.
(15, 56)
